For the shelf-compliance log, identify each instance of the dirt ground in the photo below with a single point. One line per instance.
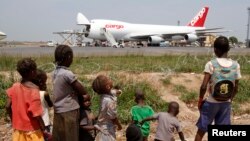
(188, 113)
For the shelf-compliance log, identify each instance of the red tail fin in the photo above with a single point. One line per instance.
(200, 18)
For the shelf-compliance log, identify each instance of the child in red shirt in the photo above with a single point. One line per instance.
(24, 105)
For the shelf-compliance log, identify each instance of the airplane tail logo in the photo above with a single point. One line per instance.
(200, 18)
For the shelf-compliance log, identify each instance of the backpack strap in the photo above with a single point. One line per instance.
(216, 64)
(234, 65)
(216, 67)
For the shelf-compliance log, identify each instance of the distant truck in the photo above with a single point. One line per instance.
(51, 44)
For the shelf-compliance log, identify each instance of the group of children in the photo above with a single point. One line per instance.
(28, 103)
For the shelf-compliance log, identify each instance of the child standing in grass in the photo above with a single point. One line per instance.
(141, 111)
(167, 123)
(87, 120)
(24, 105)
(222, 75)
(107, 119)
(66, 89)
(40, 81)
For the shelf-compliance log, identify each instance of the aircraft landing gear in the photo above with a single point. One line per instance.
(115, 46)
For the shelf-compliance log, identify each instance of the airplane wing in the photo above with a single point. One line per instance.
(207, 29)
(211, 30)
(164, 36)
(198, 32)
(141, 36)
(146, 36)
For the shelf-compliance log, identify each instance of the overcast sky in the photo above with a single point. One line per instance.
(36, 20)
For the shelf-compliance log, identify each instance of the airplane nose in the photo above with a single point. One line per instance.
(3, 34)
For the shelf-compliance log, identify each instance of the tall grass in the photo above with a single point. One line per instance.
(186, 95)
(243, 96)
(4, 84)
(168, 63)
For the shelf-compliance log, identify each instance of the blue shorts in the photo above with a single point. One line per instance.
(218, 112)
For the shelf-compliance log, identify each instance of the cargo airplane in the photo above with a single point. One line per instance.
(118, 31)
(2, 35)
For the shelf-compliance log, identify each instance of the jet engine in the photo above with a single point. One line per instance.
(155, 39)
(191, 37)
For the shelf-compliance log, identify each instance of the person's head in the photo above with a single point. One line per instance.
(26, 68)
(102, 84)
(133, 133)
(85, 101)
(173, 108)
(63, 55)
(221, 46)
(40, 79)
(139, 96)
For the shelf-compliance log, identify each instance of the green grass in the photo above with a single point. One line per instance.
(186, 95)
(166, 81)
(132, 64)
(181, 89)
(4, 84)
(166, 64)
(243, 96)
(190, 97)
(243, 92)
(126, 100)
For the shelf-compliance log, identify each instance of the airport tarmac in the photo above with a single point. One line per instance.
(109, 51)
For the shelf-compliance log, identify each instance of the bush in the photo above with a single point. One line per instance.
(4, 84)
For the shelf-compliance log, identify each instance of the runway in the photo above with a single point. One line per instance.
(109, 51)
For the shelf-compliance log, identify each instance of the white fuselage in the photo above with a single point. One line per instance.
(2, 35)
(125, 31)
